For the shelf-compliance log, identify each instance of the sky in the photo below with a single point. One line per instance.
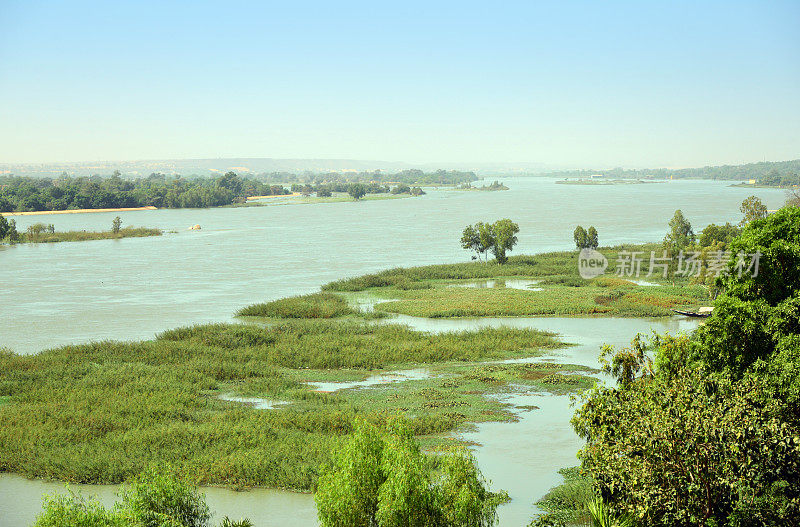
(566, 84)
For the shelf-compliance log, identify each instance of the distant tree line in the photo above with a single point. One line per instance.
(780, 179)
(764, 171)
(408, 177)
(22, 194)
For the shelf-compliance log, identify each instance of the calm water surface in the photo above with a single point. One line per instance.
(57, 294)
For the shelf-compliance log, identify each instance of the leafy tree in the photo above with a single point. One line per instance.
(709, 434)
(382, 479)
(680, 234)
(324, 192)
(486, 235)
(5, 228)
(470, 240)
(684, 448)
(116, 224)
(581, 238)
(758, 314)
(753, 209)
(356, 190)
(505, 237)
(591, 237)
(715, 234)
(155, 499)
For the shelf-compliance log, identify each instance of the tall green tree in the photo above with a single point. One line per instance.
(680, 234)
(581, 237)
(356, 190)
(470, 240)
(4, 227)
(592, 241)
(505, 237)
(116, 225)
(753, 209)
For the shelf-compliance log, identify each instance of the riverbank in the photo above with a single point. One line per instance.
(74, 211)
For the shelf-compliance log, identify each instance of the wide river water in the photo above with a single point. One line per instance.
(64, 293)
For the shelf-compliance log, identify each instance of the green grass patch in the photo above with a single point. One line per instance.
(554, 300)
(82, 236)
(567, 502)
(315, 305)
(555, 264)
(430, 291)
(103, 412)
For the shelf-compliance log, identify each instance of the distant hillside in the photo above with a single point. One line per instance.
(755, 171)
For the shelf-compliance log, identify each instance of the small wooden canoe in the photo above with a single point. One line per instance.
(692, 313)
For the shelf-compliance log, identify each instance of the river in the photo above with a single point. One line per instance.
(65, 293)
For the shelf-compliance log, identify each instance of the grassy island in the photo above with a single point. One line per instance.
(252, 404)
(41, 233)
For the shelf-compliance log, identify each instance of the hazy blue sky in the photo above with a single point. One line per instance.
(563, 83)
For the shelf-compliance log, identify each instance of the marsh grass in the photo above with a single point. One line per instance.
(568, 501)
(105, 411)
(82, 236)
(594, 298)
(427, 292)
(315, 305)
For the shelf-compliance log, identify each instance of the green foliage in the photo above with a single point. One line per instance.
(356, 190)
(63, 193)
(757, 314)
(382, 479)
(568, 502)
(753, 209)
(781, 178)
(688, 449)
(76, 511)
(116, 225)
(158, 401)
(601, 515)
(585, 239)
(711, 434)
(4, 227)
(498, 237)
(155, 499)
(46, 235)
(152, 499)
(680, 234)
(591, 234)
(756, 171)
(315, 305)
(505, 237)
(716, 234)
